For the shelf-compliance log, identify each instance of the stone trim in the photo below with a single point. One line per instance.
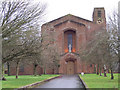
(81, 24)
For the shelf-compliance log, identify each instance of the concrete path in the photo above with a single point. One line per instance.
(66, 81)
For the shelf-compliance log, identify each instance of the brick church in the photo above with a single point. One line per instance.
(70, 33)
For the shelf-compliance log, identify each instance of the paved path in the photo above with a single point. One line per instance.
(66, 81)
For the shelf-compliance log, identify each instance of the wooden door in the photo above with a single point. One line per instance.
(70, 68)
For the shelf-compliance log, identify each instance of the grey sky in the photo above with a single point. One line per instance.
(81, 8)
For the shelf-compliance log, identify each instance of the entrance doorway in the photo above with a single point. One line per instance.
(70, 68)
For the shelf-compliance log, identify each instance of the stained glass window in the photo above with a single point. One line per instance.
(70, 40)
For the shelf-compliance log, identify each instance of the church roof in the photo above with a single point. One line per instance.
(68, 15)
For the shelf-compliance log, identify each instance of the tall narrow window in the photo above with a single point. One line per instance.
(99, 13)
(70, 42)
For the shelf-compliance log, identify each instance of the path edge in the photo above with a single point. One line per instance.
(34, 84)
(85, 85)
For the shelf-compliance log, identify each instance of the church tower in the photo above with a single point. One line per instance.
(99, 16)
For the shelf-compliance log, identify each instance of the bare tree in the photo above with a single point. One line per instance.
(100, 51)
(50, 54)
(113, 28)
(119, 34)
(16, 20)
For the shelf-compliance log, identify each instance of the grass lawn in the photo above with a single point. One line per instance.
(96, 81)
(23, 80)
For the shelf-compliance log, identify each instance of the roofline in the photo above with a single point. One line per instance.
(99, 8)
(64, 16)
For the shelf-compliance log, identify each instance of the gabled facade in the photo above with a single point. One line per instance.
(71, 33)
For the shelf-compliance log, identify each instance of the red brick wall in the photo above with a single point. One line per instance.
(28, 70)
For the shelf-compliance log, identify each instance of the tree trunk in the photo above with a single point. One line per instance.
(108, 71)
(95, 68)
(44, 70)
(119, 48)
(119, 38)
(35, 71)
(53, 71)
(98, 69)
(119, 64)
(17, 69)
(3, 77)
(104, 72)
(8, 66)
(112, 77)
(58, 69)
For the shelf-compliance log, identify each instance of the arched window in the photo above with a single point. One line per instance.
(69, 40)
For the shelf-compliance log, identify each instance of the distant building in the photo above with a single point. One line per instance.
(70, 33)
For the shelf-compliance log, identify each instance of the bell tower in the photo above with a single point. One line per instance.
(99, 16)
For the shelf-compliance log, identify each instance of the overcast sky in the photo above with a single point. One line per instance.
(81, 8)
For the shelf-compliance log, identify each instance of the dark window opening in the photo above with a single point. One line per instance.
(70, 40)
(90, 65)
(99, 13)
(21, 68)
